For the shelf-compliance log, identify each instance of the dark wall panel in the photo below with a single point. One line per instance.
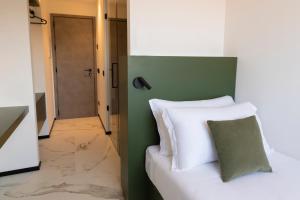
(172, 78)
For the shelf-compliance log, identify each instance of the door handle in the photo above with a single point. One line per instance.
(90, 71)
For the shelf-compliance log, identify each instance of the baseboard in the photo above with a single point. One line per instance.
(42, 137)
(106, 132)
(19, 171)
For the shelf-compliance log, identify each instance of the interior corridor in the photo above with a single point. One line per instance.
(78, 162)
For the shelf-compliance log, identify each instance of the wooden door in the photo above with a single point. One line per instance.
(74, 57)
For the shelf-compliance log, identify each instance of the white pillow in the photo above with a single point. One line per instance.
(191, 141)
(158, 106)
(267, 147)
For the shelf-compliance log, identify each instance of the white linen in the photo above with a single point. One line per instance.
(158, 106)
(191, 141)
(268, 148)
(204, 182)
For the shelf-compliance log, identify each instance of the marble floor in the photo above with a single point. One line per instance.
(79, 162)
(114, 124)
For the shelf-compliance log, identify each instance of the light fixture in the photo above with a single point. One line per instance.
(34, 3)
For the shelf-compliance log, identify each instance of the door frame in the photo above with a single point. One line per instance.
(109, 94)
(54, 61)
(106, 120)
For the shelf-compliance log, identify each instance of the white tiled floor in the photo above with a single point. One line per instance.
(78, 163)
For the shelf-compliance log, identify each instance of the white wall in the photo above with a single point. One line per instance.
(37, 54)
(38, 61)
(102, 62)
(176, 27)
(16, 85)
(264, 35)
(48, 72)
(71, 7)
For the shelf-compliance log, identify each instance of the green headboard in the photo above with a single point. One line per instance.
(171, 78)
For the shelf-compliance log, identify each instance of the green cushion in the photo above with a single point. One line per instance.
(239, 147)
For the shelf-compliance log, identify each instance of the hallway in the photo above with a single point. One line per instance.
(79, 162)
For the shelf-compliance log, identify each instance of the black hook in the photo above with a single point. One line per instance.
(33, 16)
(140, 82)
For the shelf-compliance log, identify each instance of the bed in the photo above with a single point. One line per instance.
(204, 183)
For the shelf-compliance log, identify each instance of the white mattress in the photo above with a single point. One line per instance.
(204, 182)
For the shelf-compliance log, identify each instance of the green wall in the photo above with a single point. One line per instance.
(172, 78)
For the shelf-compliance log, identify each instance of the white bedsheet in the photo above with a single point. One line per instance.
(204, 182)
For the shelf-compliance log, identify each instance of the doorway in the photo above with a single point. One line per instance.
(75, 71)
(118, 48)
